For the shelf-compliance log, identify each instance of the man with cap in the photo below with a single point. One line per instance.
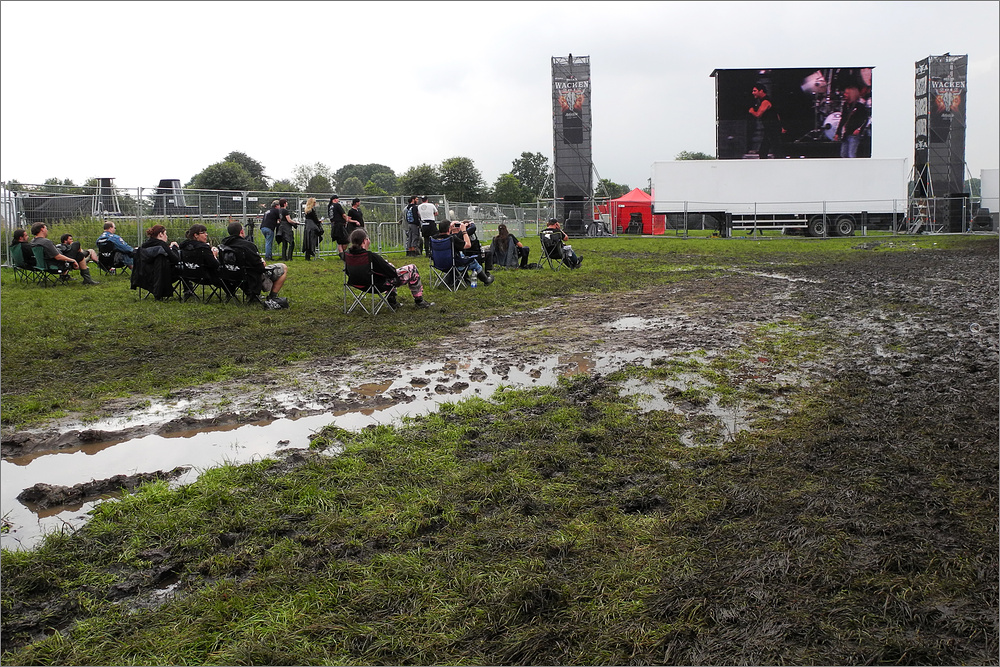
(428, 227)
(338, 222)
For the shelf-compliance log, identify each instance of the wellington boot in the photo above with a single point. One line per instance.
(87, 280)
(485, 277)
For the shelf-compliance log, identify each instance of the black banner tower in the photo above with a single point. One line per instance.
(573, 165)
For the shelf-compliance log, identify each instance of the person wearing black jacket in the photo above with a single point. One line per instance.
(338, 224)
(853, 120)
(155, 268)
(198, 257)
(263, 277)
(386, 276)
(313, 234)
(268, 227)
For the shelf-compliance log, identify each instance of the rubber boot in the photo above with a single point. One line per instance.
(87, 280)
(485, 278)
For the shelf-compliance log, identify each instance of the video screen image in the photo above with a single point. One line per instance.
(807, 112)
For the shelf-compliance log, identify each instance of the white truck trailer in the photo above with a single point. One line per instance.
(822, 196)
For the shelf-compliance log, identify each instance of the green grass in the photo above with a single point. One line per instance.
(113, 345)
(549, 526)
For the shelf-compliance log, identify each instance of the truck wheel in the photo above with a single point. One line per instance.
(844, 226)
(817, 226)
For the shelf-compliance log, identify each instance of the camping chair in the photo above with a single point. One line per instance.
(552, 248)
(360, 286)
(443, 267)
(109, 259)
(49, 271)
(199, 283)
(23, 271)
(510, 259)
(155, 275)
(234, 280)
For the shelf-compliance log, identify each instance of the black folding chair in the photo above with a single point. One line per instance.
(360, 286)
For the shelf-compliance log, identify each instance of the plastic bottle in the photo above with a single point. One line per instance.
(474, 281)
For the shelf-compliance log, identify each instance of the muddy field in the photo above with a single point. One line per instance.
(923, 321)
(915, 332)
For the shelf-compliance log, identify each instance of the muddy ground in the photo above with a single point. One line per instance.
(918, 330)
(905, 316)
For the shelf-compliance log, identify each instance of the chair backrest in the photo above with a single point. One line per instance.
(234, 274)
(41, 261)
(17, 256)
(192, 270)
(108, 256)
(442, 254)
(552, 243)
(358, 270)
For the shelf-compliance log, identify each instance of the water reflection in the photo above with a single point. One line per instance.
(423, 389)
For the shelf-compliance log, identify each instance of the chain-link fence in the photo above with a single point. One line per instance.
(83, 210)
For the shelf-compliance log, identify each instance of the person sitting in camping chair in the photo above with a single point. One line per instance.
(507, 251)
(553, 245)
(384, 277)
(123, 252)
(260, 277)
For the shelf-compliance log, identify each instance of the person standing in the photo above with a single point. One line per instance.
(853, 120)
(412, 218)
(428, 227)
(286, 231)
(268, 227)
(338, 224)
(770, 122)
(355, 217)
(313, 234)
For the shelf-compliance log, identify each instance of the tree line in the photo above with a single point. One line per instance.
(456, 178)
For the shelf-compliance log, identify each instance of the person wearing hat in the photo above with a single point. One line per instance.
(428, 227)
(338, 223)
(555, 238)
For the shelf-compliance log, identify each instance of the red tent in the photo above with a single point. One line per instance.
(633, 203)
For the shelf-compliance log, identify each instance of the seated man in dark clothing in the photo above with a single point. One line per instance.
(461, 243)
(199, 261)
(263, 277)
(21, 244)
(386, 276)
(41, 233)
(555, 238)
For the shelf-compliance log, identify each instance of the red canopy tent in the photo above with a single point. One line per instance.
(621, 211)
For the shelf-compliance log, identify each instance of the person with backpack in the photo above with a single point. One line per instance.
(411, 217)
(268, 227)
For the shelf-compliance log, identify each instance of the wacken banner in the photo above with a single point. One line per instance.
(572, 161)
(939, 131)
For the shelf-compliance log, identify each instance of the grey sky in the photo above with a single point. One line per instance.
(146, 90)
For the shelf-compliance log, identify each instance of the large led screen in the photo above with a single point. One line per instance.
(804, 112)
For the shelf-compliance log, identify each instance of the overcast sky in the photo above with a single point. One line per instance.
(141, 91)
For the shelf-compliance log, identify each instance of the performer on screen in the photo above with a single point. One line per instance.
(853, 119)
(770, 121)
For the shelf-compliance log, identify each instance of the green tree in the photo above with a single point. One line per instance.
(62, 186)
(363, 172)
(532, 170)
(223, 176)
(974, 187)
(606, 188)
(254, 168)
(460, 180)
(319, 184)
(352, 186)
(693, 155)
(373, 190)
(304, 173)
(420, 180)
(508, 190)
(384, 180)
(283, 185)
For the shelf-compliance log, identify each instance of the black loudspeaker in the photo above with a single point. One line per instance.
(958, 211)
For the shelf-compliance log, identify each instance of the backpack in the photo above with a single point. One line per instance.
(409, 215)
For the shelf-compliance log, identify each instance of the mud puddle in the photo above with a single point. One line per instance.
(187, 434)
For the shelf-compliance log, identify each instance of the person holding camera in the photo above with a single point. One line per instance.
(461, 242)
